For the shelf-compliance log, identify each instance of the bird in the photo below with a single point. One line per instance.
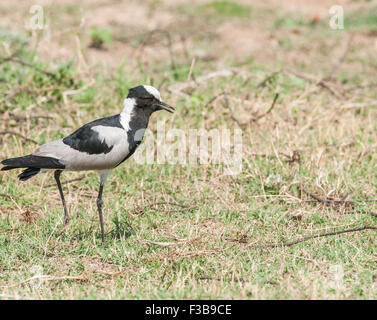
(100, 145)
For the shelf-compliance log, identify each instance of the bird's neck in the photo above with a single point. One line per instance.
(127, 113)
(132, 117)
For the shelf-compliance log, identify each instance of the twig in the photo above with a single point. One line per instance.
(327, 202)
(220, 279)
(112, 274)
(291, 243)
(265, 80)
(277, 93)
(180, 86)
(357, 87)
(162, 82)
(336, 203)
(140, 210)
(175, 255)
(6, 59)
(5, 195)
(157, 243)
(82, 277)
(9, 296)
(319, 82)
(373, 214)
(360, 105)
(67, 93)
(12, 58)
(226, 102)
(191, 69)
(9, 96)
(213, 99)
(19, 135)
(168, 37)
(17, 118)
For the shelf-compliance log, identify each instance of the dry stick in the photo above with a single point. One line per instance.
(168, 36)
(159, 86)
(231, 111)
(184, 207)
(323, 83)
(49, 278)
(370, 85)
(291, 243)
(19, 135)
(180, 86)
(5, 195)
(9, 296)
(112, 274)
(343, 201)
(165, 203)
(157, 243)
(17, 118)
(277, 93)
(324, 201)
(191, 69)
(12, 58)
(219, 279)
(333, 203)
(319, 82)
(226, 103)
(360, 105)
(373, 214)
(17, 90)
(265, 80)
(213, 99)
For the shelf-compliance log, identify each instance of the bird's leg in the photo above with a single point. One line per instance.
(99, 204)
(57, 174)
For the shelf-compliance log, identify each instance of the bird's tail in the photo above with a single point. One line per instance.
(28, 173)
(33, 165)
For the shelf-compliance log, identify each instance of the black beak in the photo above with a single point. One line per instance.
(163, 106)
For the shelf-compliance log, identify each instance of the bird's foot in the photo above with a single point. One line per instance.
(67, 222)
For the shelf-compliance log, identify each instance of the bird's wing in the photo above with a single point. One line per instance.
(97, 137)
(98, 145)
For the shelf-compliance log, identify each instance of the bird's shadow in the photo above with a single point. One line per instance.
(122, 230)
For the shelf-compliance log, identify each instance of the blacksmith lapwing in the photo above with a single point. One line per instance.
(99, 145)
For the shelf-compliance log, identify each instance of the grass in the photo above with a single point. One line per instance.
(209, 247)
(218, 11)
(362, 19)
(100, 37)
(225, 9)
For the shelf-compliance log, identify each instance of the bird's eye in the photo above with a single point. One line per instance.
(150, 99)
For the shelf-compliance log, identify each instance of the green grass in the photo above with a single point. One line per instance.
(225, 9)
(361, 19)
(218, 11)
(100, 37)
(208, 249)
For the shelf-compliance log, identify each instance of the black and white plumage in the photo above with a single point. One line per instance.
(100, 145)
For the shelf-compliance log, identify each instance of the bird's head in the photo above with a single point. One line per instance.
(148, 98)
